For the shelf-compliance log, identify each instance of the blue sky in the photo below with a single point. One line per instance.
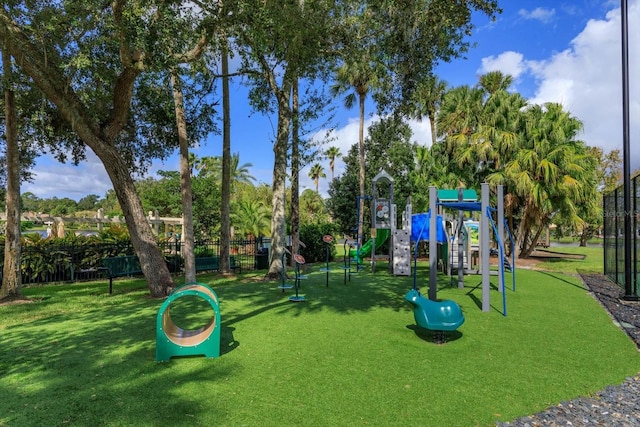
(557, 51)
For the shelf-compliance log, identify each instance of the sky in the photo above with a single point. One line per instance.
(565, 51)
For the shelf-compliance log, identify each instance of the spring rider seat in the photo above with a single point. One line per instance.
(437, 316)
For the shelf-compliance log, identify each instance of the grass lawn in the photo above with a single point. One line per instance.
(592, 263)
(349, 355)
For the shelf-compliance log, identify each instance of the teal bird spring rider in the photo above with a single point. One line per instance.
(436, 316)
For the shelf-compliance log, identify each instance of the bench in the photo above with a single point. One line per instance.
(209, 263)
(120, 266)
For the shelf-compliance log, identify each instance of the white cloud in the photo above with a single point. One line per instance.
(587, 79)
(540, 14)
(509, 62)
(421, 132)
(54, 179)
(343, 138)
(347, 136)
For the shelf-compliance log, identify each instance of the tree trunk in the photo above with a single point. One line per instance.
(185, 182)
(432, 123)
(295, 175)
(510, 223)
(100, 139)
(279, 185)
(11, 277)
(360, 236)
(586, 234)
(527, 250)
(225, 209)
(521, 231)
(529, 218)
(144, 242)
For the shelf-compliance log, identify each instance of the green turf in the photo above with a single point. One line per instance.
(592, 263)
(348, 355)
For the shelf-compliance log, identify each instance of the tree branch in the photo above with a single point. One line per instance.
(43, 68)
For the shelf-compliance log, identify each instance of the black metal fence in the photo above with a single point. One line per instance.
(72, 263)
(614, 214)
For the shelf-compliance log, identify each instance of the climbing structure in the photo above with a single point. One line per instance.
(402, 242)
(172, 340)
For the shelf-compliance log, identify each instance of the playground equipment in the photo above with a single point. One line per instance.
(328, 241)
(382, 222)
(381, 216)
(299, 260)
(461, 253)
(434, 231)
(371, 245)
(283, 285)
(464, 243)
(437, 316)
(172, 340)
(283, 273)
(402, 242)
(486, 219)
(375, 242)
(349, 245)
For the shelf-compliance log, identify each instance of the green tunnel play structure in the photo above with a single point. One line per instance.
(172, 340)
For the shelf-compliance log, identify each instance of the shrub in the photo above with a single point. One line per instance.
(311, 235)
(26, 225)
(203, 251)
(175, 263)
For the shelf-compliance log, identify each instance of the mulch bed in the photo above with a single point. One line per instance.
(624, 313)
(544, 253)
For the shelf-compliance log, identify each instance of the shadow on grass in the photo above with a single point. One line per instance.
(94, 356)
(474, 289)
(559, 277)
(432, 336)
(366, 291)
(228, 342)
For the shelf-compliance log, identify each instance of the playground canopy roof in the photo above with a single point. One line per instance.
(462, 206)
(452, 196)
(420, 228)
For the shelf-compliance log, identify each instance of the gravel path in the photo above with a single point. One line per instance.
(614, 406)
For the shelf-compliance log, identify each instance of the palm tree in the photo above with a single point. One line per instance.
(186, 193)
(204, 165)
(226, 171)
(458, 118)
(480, 126)
(332, 154)
(194, 162)
(360, 76)
(317, 172)
(459, 114)
(495, 81)
(240, 172)
(313, 207)
(428, 98)
(251, 218)
(212, 166)
(551, 172)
